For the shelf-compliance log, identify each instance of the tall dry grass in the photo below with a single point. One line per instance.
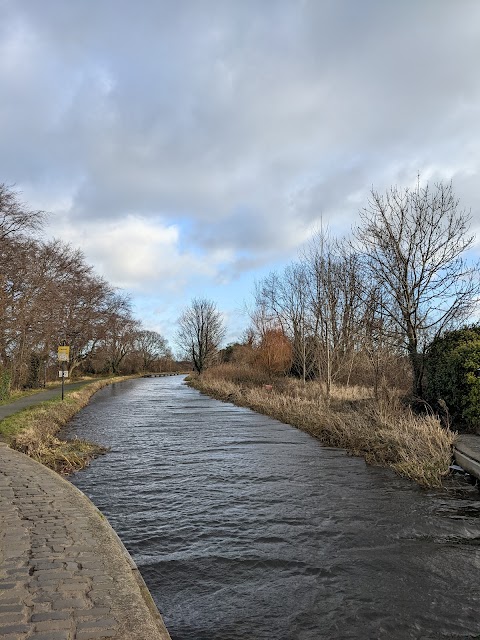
(34, 430)
(385, 432)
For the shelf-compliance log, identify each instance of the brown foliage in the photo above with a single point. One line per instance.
(274, 353)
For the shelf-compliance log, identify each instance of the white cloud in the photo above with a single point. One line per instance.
(140, 255)
(185, 146)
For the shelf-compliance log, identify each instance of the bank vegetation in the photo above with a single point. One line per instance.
(340, 340)
(35, 431)
(383, 430)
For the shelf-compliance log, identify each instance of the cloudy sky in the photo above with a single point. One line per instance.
(190, 146)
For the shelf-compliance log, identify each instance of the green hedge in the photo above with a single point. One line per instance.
(453, 375)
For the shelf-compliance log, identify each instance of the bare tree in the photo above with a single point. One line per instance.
(317, 303)
(74, 302)
(380, 339)
(15, 216)
(413, 242)
(336, 304)
(120, 331)
(284, 298)
(151, 347)
(200, 332)
(49, 296)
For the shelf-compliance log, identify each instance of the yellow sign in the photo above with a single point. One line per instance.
(63, 354)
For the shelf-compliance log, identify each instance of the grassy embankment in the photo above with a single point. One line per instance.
(34, 431)
(385, 431)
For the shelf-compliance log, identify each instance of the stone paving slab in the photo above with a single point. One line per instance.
(64, 574)
(469, 444)
(467, 453)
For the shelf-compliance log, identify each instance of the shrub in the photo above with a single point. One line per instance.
(453, 376)
(33, 381)
(5, 380)
(274, 353)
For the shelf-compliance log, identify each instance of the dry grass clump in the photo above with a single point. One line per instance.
(33, 431)
(385, 431)
(238, 373)
(64, 456)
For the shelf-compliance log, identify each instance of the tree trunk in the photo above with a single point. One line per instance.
(416, 360)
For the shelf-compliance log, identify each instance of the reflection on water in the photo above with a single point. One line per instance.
(244, 527)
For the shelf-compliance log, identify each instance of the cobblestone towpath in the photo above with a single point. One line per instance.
(64, 574)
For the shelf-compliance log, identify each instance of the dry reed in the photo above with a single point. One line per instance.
(384, 431)
(34, 430)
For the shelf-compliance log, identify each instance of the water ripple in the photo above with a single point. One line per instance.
(247, 528)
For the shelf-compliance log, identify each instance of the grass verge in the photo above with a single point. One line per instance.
(33, 431)
(19, 393)
(385, 432)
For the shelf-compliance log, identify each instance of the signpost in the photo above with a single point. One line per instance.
(63, 353)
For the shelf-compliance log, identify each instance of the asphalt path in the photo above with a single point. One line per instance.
(37, 398)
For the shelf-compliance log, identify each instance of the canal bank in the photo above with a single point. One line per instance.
(31, 425)
(260, 532)
(64, 573)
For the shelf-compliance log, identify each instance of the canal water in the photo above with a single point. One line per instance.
(246, 528)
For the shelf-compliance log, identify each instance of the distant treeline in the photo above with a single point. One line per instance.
(50, 296)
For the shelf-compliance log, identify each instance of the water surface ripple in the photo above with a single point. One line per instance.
(246, 528)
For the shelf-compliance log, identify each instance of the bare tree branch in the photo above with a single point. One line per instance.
(413, 243)
(201, 330)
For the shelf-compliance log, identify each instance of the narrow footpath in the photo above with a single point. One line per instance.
(64, 573)
(37, 398)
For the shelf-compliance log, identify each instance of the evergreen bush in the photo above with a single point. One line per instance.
(5, 380)
(453, 375)
(33, 381)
